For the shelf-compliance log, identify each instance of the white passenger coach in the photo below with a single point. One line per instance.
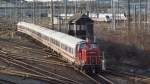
(60, 42)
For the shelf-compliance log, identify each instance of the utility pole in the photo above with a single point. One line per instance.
(21, 10)
(129, 24)
(113, 14)
(58, 12)
(129, 16)
(52, 20)
(97, 8)
(33, 16)
(75, 6)
(134, 16)
(66, 26)
(16, 11)
(139, 15)
(148, 16)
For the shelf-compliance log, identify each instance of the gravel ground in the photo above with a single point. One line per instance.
(21, 45)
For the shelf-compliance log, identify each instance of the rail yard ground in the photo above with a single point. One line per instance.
(24, 49)
(126, 51)
(29, 51)
(123, 47)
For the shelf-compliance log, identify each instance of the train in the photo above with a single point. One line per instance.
(108, 17)
(81, 53)
(100, 17)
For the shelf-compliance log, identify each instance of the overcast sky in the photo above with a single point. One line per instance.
(59, 0)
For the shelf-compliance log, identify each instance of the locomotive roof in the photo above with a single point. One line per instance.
(62, 37)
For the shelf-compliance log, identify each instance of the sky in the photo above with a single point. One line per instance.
(59, 0)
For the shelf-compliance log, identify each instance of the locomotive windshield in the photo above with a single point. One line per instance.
(83, 45)
(93, 45)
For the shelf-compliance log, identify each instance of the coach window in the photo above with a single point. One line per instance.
(58, 44)
(49, 39)
(73, 51)
(34, 32)
(21, 27)
(45, 37)
(70, 50)
(66, 48)
(82, 45)
(30, 30)
(55, 42)
(63, 46)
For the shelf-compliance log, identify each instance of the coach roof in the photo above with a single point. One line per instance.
(61, 37)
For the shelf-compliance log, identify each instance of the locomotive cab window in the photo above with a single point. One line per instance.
(94, 45)
(82, 45)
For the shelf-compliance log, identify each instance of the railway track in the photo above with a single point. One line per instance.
(37, 70)
(15, 60)
(31, 70)
(105, 79)
(29, 75)
(43, 51)
(26, 63)
(35, 59)
(20, 45)
(6, 82)
(100, 79)
(126, 75)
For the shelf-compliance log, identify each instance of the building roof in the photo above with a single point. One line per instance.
(79, 18)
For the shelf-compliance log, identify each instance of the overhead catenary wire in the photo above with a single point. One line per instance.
(148, 15)
(52, 12)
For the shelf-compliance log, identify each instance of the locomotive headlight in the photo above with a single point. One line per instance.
(103, 61)
(93, 71)
(82, 63)
(103, 65)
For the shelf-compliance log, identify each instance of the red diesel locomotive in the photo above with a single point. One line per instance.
(82, 53)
